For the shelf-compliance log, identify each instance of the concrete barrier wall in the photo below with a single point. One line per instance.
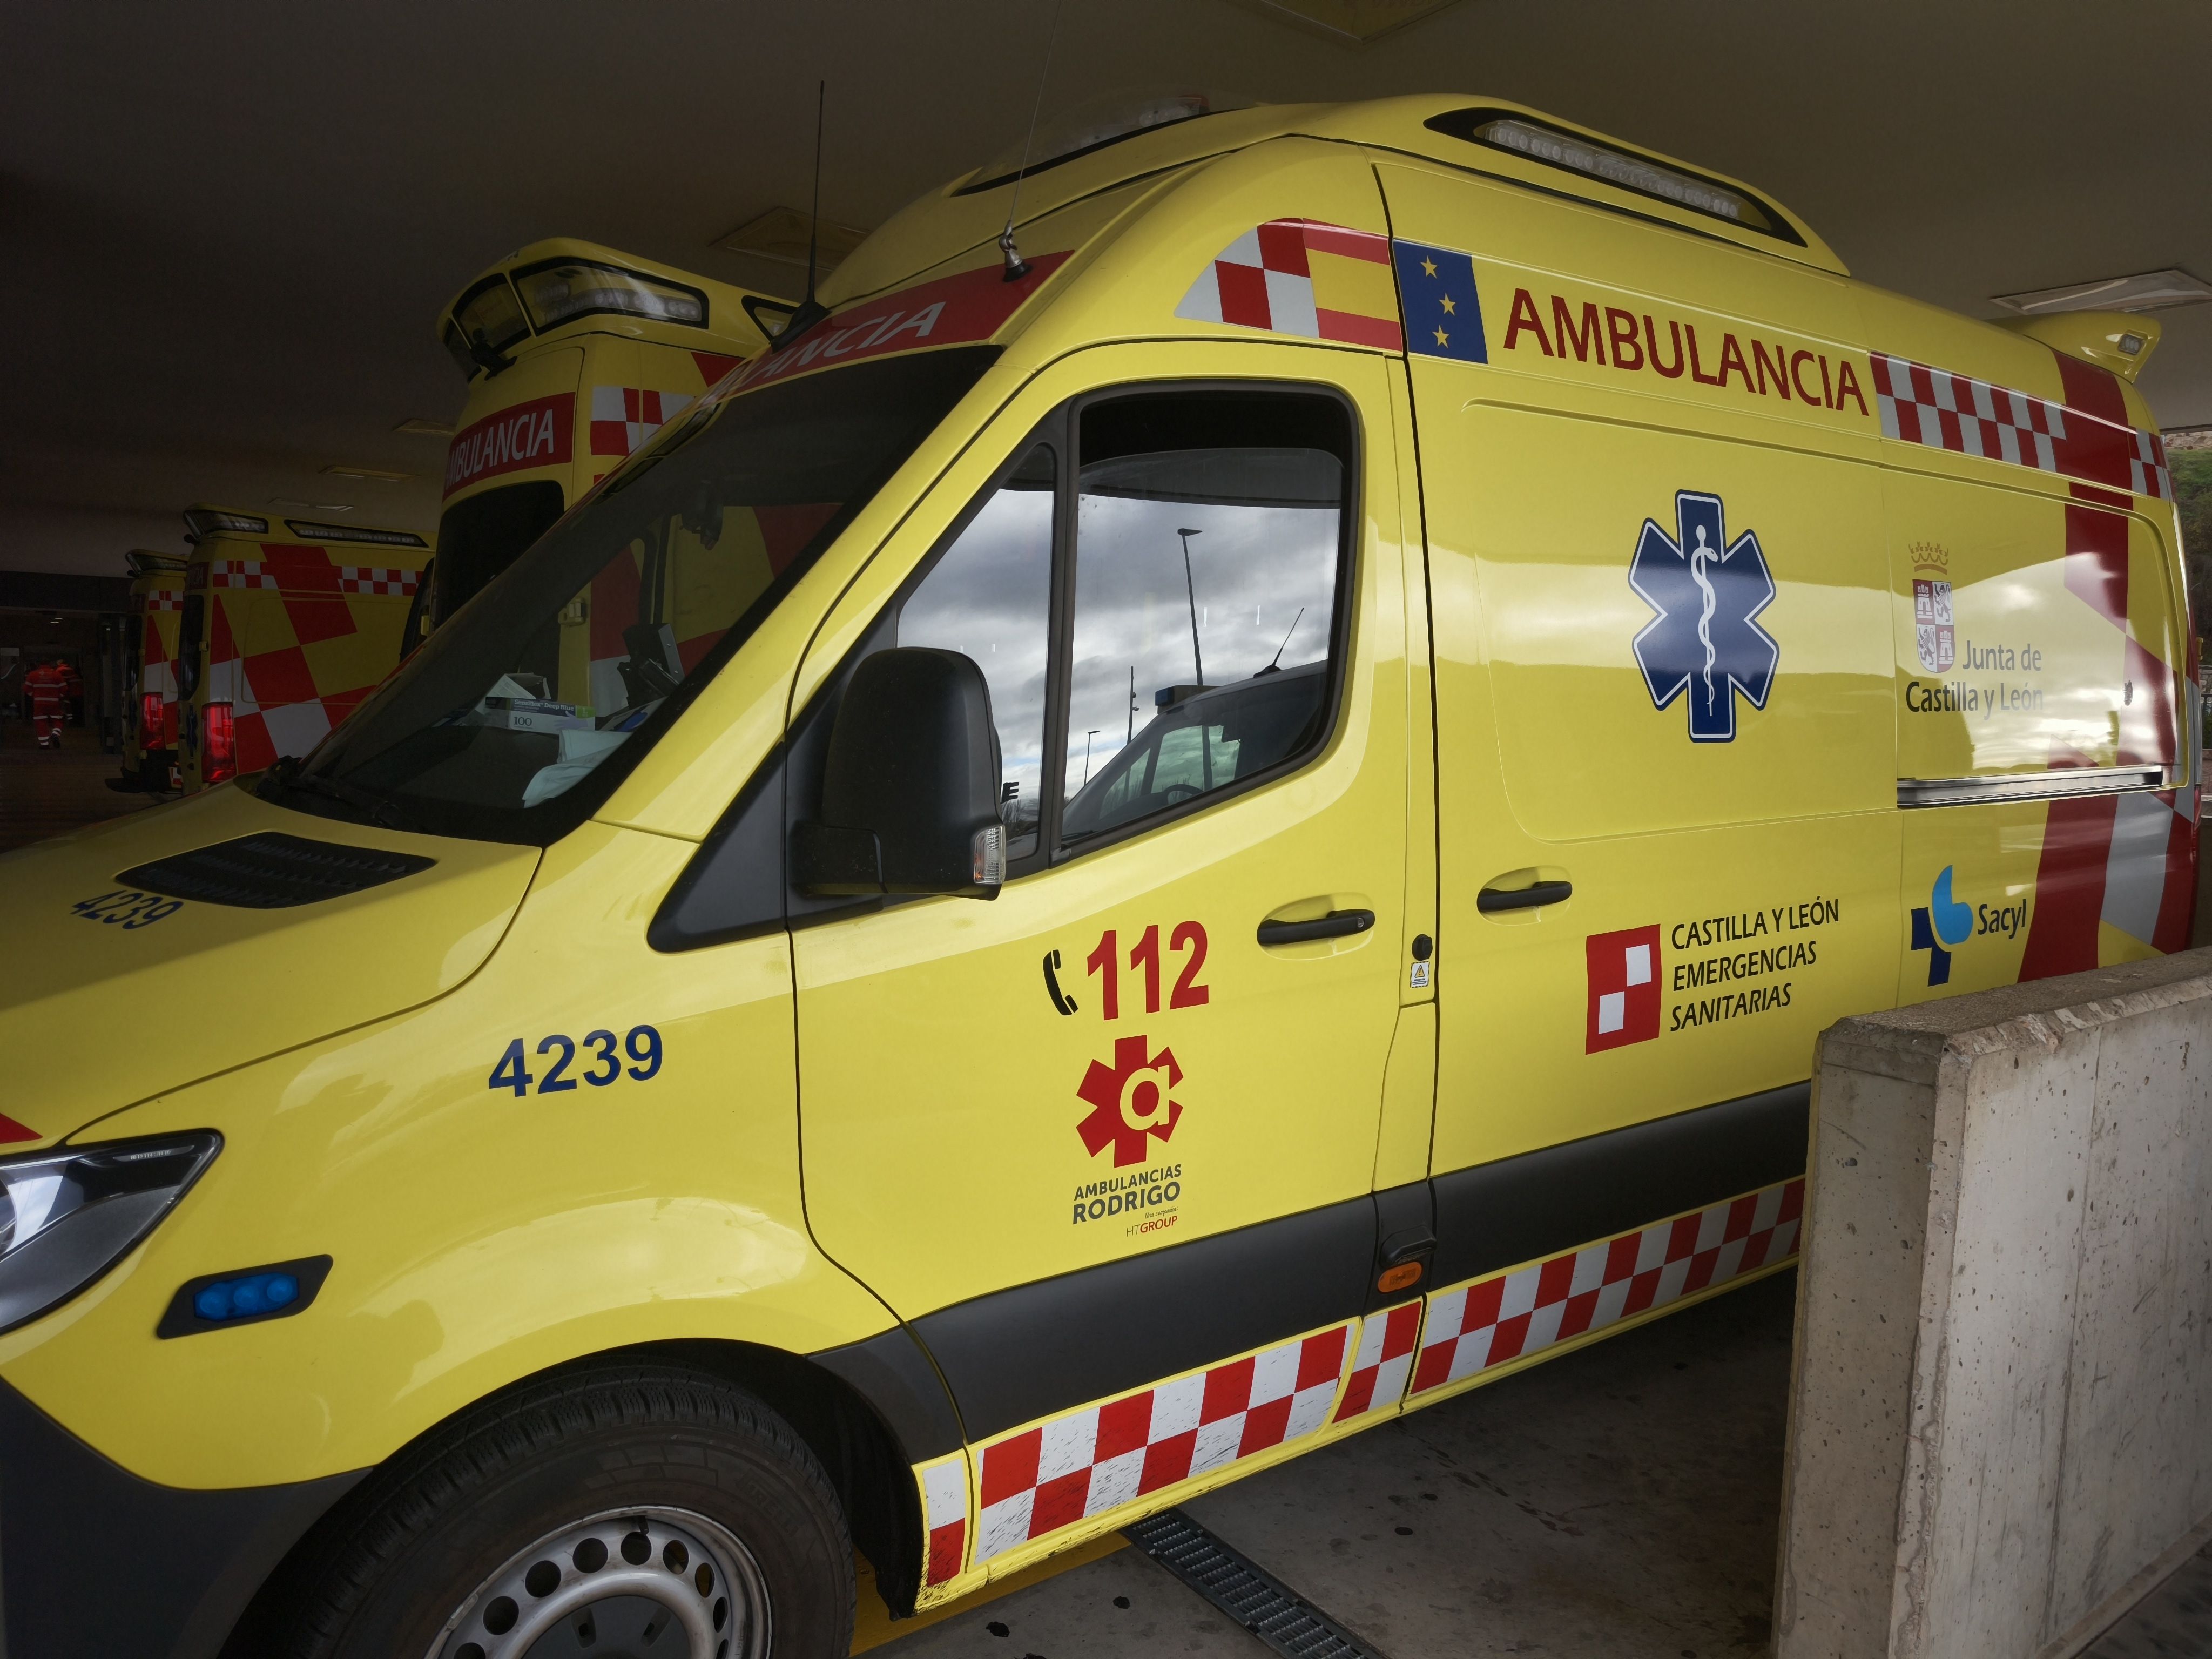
(2001, 1423)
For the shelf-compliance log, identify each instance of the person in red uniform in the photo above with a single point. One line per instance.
(45, 690)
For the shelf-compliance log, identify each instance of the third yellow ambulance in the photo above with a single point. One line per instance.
(149, 733)
(1120, 859)
(286, 627)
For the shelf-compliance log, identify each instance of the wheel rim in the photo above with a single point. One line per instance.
(646, 1583)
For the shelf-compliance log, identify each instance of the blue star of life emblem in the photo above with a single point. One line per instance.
(1705, 638)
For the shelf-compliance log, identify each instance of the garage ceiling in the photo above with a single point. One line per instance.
(228, 229)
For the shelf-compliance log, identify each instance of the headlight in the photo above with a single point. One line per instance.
(69, 1215)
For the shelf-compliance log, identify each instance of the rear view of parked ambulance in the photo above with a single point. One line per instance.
(1274, 785)
(574, 355)
(149, 717)
(286, 627)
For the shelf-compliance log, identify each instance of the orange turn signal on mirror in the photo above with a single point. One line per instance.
(1401, 1277)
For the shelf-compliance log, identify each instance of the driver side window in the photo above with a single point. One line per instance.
(1209, 558)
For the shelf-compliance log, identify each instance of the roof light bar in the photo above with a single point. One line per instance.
(485, 322)
(308, 529)
(1623, 169)
(1092, 125)
(207, 520)
(559, 290)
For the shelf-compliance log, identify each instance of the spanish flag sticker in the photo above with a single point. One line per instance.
(1302, 277)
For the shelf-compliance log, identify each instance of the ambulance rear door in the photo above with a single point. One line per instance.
(1667, 839)
(2045, 764)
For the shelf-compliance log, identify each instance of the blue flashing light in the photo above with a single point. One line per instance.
(244, 1298)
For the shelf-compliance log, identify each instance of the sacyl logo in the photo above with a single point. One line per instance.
(1705, 638)
(1941, 927)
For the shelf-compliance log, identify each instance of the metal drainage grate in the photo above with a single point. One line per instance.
(1263, 1604)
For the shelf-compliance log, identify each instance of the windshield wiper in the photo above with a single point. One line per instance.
(286, 772)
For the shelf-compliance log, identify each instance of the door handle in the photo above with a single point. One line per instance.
(1491, 900)
(1336, 925)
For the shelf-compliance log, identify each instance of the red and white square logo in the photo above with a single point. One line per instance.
(1624, 987)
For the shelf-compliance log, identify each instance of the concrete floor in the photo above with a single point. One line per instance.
(2174, 1621)
(45, 792)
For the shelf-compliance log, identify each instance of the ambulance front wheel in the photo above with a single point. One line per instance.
(636, 1510)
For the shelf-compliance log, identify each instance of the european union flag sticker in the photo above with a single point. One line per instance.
(1436, 294)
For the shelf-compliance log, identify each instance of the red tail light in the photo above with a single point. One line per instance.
(149, 720)
(219, 752)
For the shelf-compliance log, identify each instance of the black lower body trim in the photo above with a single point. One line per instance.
(1557, 1197)
(1020, 1354)
(101, 1564)
(894, 1376)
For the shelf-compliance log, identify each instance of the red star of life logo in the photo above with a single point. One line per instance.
(1126, 1104)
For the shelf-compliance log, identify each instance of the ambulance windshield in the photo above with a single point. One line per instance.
(519, 716)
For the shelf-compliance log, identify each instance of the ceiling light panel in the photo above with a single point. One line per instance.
(781, 234)
(1353, 23)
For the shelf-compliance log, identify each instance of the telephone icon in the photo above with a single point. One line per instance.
(1061, 1000)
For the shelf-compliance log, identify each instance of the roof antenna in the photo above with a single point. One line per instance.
(1273, 666)
(810, 311)
(1018, 267)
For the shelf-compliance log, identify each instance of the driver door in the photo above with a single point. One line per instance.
(1107, 1142)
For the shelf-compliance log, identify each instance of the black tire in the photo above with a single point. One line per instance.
(448, 1521)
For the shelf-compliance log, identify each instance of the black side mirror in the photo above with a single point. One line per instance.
(910, 784)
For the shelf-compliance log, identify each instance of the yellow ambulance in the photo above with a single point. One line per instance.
(1118, 861)
(574, 355)
(149, 718)
(286, 627)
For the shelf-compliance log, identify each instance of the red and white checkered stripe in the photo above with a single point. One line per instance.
(369, 579)
(1381, 1362)
(1040, 1480)
(944, 1516)
(1932, 406)
(624, 416)
(1487, 1322)
(165, 602)
(293, 728)
(240, 572)
(2146, 469)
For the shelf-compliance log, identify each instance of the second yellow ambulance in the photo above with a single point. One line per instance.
(1126, 857)
(575, 355)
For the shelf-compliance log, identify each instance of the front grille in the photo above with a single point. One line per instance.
(272, 872)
